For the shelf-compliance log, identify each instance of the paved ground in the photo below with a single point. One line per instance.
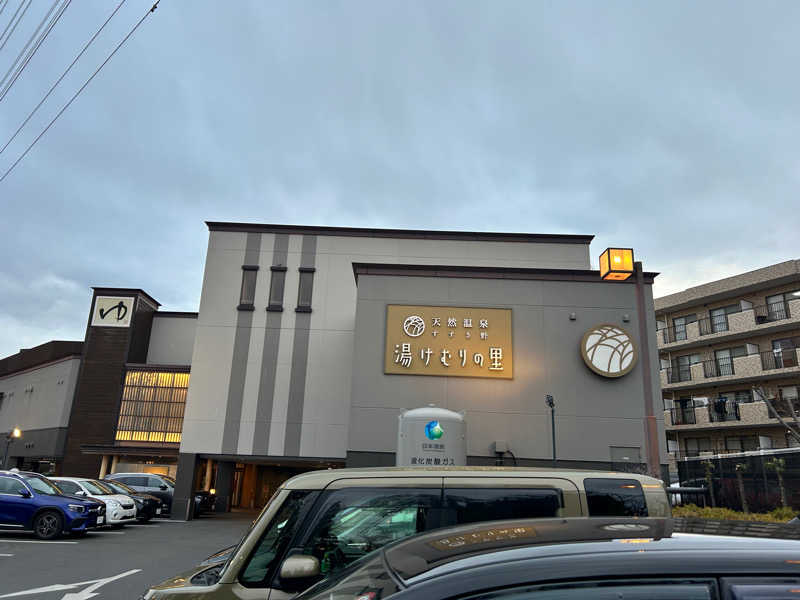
(158, 550)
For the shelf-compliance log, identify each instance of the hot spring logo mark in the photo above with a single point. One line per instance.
(433, 431)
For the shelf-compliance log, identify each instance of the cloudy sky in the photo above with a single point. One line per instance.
(669, 127)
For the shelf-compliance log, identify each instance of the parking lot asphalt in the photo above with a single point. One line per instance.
(131, 558)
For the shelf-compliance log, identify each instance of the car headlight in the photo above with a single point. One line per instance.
(78, 508)
(112, 504)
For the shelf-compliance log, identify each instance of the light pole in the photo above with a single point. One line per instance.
(10, 437)
(548, 399)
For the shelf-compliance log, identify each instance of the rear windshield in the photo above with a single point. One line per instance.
(615, 497)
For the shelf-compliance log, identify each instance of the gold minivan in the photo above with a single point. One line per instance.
(319, 522)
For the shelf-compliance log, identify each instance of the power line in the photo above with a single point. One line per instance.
(64, 74)
(35, 48)
(2, 8)
(30, 41)
(71, 100)
(13, 29)
(14, 16)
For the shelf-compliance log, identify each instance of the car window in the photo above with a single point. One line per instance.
(471, 505)
(68, 487)
(275, 538)
(119, 487)
(94, 489)
(604, 590)
(137, 481)
(9, 485)
(615, 497)
(42, 485)
(356, 521)
(154, 482)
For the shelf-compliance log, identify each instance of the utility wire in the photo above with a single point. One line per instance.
(27, 6)
(30, 41)
(64, 74)
(71, 100)
(14, 16)
(35, 48)
(2, 8)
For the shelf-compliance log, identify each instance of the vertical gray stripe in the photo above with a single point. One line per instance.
(269, 359)
(241, 348)
(297, 380)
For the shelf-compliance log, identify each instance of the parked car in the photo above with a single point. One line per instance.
(567, 559)
(160, 486)
(29, 501)
(120, 509)
(338, 516)
(147, 505)
(163, 487)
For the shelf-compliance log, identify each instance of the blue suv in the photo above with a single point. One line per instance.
(31, 501)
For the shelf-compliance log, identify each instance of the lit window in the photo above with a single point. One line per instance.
(152, 406)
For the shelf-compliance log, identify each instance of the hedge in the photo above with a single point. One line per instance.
(779, 515)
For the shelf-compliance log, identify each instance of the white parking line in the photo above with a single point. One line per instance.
(142, 525)
(6, 555)
(108, 532)
(34, 542)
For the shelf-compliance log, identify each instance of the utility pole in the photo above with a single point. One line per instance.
(552, 404)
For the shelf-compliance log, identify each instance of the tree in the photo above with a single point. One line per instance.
(709, 467)
(794, 431)
(778, 465)
(741, 468)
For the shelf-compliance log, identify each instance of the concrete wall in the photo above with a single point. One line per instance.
(39, 401)
(279, 383)
(592, 412)
(171, 340)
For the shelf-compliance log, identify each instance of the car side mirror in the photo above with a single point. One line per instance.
(300, 566)
(25, 493)
(80, 493)
(162, 487)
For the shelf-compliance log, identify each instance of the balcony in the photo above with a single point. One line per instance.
(720, 412)
(740, 369)
(683, 416)
(735, 414)
(764, 319)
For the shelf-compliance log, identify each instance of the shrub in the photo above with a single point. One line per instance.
(778, 515)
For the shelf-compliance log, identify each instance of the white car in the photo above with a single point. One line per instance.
(120, 509)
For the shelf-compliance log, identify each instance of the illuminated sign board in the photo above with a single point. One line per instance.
(448, 341)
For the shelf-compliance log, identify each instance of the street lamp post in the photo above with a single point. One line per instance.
(552, 404)
(10, 437)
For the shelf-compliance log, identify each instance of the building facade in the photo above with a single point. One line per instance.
(729, 349)
(309, 342)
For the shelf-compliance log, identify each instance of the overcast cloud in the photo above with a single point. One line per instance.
(670, 127)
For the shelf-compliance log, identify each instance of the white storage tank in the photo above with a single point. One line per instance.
(431, 436)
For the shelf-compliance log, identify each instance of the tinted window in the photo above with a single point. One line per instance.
(471, 505)
(9, 485)
(615, 498)
(275, 538)
(137, 481)
(356, 521)
(68, 487)
(155, 482)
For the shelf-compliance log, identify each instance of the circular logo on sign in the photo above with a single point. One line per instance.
(433, 431)
(608, 350)
(414, 326)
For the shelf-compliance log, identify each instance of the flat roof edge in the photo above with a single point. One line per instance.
(430, 234)
(586, 275)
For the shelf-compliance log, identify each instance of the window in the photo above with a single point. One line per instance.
(155, 482)
(694, 446)
(607, 590)
(743, 396)
(276, 283)
(356, 521)
(68, 487)
(276, 538)
(152, 406)
(247, 295)
(741, 443)
(777, 308)
(471, 505)
(615, 497)
(680, 323)
(305, 289)
(134, 481)
(784, 353)
(9, 485)
(42, 485)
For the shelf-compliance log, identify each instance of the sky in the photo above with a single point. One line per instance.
(668, 127)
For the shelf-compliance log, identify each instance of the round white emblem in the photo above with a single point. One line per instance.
(414, 326)
(608, 350)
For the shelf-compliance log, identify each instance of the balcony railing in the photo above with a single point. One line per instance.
(683, 415)
(715, 324)
(676, 375)
(719, 412)
(719, 367)
(674, 334)
(785, 406)
(770, 359)
(773, 311)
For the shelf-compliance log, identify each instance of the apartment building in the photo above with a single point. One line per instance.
(723, 346)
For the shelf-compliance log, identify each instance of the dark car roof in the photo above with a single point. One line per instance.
(458, 560)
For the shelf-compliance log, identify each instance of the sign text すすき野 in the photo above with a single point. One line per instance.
(449, 341)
